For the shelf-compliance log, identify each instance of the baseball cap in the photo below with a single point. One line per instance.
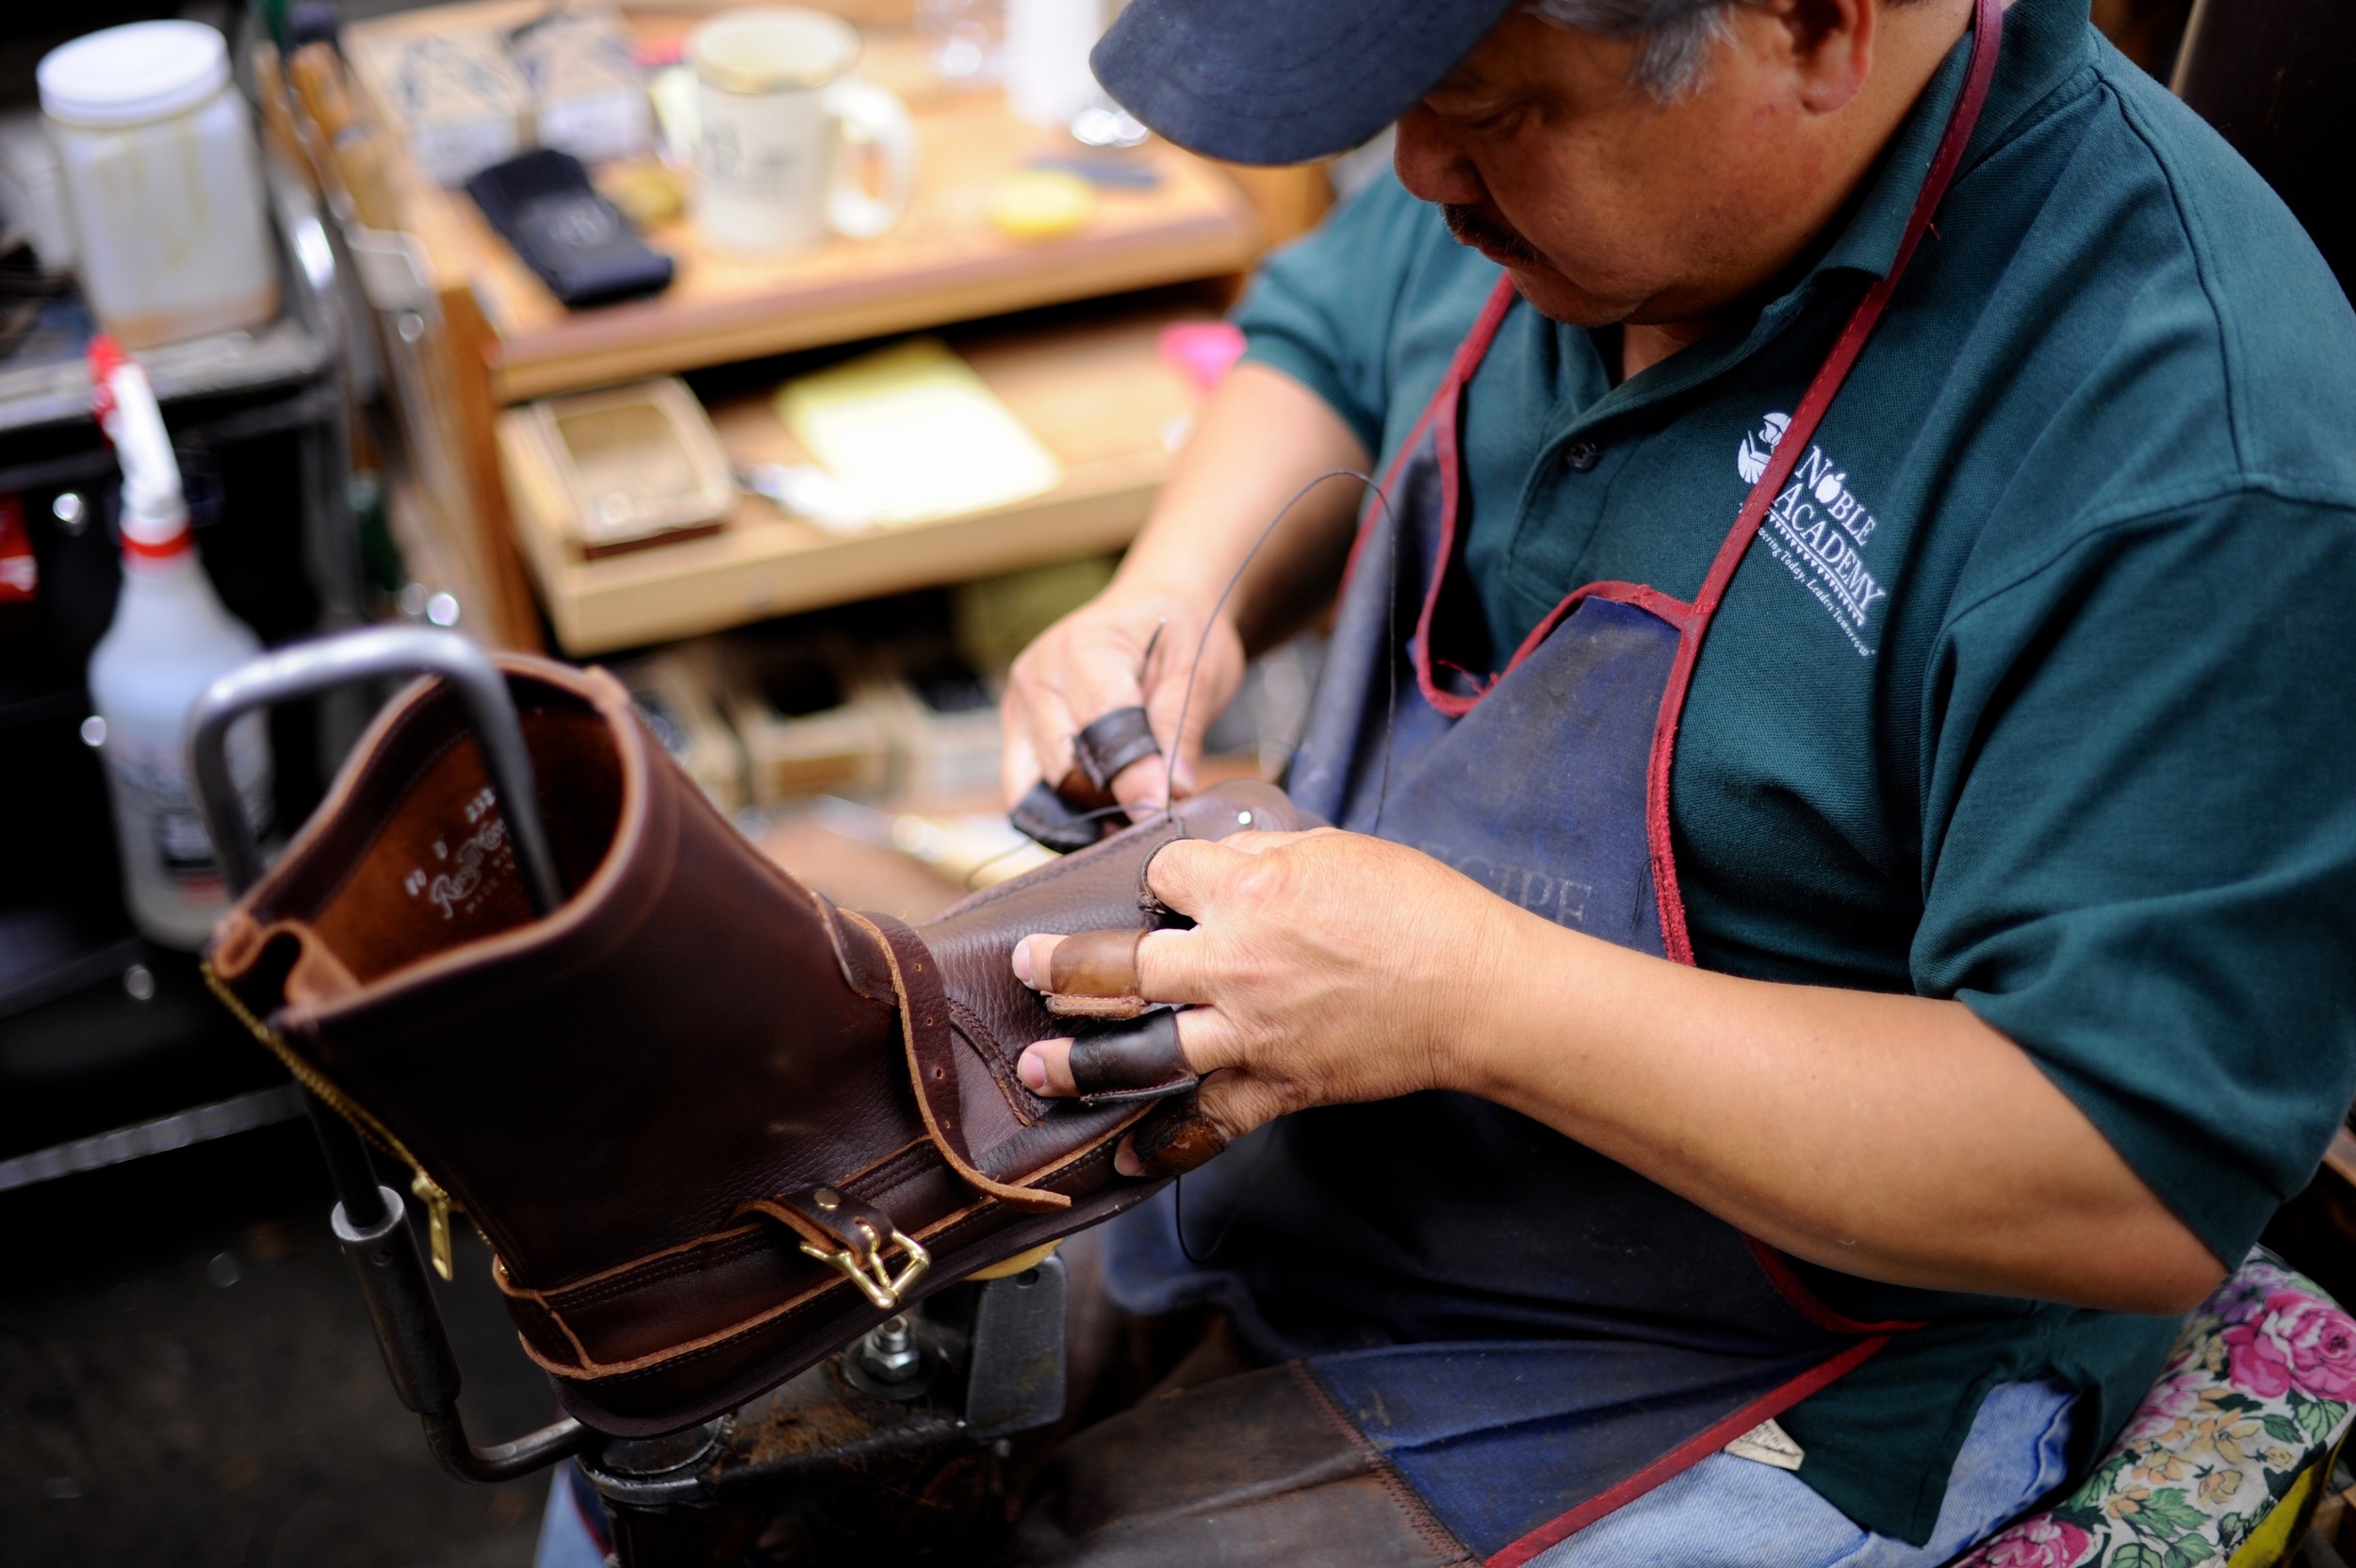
(1282, 81)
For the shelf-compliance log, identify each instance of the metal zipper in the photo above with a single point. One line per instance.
(439, 1207)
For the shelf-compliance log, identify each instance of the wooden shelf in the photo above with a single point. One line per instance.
(941, 263)
(1096, 393)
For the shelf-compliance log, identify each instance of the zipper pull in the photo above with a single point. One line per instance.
(427, 1191)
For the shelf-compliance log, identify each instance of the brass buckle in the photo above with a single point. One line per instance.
(879, 1285)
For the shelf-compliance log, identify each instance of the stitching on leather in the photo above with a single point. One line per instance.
(1419, 1516)
(713, 1252)
(704, 1345)
(942, 1236)
(1028, 1108)
(1028, 879)
(617, 1269)
(710, 1251)
(915, 1150)
(959, 1160)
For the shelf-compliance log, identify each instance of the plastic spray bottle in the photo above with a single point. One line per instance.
(170, 639)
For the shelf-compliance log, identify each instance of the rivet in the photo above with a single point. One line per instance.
(827, 1199)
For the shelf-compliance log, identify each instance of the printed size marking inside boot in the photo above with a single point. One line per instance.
(442, 871)
(461, 879)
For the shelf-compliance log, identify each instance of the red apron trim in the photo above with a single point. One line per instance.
(1448, 409)
(1643, 595)
(1469, 353)
(1687, 1454)
(1987, 40)
(1778, 1271)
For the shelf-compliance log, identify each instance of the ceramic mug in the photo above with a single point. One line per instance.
(780, 119)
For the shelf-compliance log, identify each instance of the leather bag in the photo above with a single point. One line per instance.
(713, 1127)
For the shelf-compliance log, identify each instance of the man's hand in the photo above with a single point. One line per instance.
(1260, 439)
(1325, 967)
(1893, 1136)
(1095, 660)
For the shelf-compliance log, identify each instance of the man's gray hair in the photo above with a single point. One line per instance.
(1677, 36)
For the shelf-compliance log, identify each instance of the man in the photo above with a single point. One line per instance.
(1868, 955)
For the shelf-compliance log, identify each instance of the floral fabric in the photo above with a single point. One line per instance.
(2261, 1383)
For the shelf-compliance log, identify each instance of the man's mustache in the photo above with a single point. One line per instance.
(1475, 227)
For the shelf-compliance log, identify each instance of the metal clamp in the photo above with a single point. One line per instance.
(418, 1354)
(880, 1286)
(370, 1220)
(303, 669)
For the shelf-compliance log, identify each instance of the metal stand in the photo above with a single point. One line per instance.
(890, 1448)
(889, 1453)
(370, 1219)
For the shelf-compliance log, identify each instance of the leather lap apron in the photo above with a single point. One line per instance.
(1656, 1332)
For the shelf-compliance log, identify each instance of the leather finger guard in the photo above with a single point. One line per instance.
(1094, 975)
(1175, 1137)
(1048, 817)
(1105, 747)
(1137, 1060)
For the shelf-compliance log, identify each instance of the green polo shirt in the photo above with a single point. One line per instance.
(2035, 690)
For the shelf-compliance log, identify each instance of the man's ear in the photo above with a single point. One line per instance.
(1831, 48)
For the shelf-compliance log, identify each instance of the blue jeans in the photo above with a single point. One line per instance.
(1729, 1512)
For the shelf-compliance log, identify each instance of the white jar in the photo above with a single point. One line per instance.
(163, 181)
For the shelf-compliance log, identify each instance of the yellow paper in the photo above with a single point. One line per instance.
(913, 434)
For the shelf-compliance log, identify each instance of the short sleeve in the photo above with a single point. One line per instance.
(2140, 840)
(1322, 309)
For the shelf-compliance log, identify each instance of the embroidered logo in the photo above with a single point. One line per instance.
(1758, 448)
(1818, 529)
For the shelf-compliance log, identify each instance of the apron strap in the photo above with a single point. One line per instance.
(1986, 42)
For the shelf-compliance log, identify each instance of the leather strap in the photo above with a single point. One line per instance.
(1137, 1060)
(932, 1059)
(830, 1218)
(1106, 746)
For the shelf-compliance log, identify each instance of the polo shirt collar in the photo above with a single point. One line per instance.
(2046, 41)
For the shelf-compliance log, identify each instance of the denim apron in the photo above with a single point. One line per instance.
(1531, 1335)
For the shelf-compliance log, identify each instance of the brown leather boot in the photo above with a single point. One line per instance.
(713, 1127)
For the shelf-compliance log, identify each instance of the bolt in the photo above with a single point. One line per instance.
(889, 1354)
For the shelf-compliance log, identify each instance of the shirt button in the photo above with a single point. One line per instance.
(1582, 455)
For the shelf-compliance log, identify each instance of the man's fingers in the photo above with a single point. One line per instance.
(1192, 875)
(1193, 681)
(1183, 1134)
(1046, 1068)
(1176, 966)
(1204, 1040)
(1038, 725)
(1096, 674)
(1018, 767)
(1172, 966)
(1145, 781)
